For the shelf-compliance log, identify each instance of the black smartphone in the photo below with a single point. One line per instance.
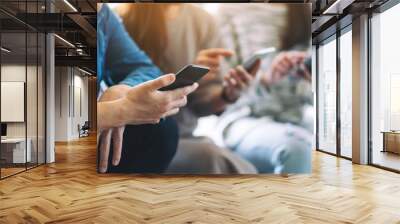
(187, 76)
(307, 64)
(260, 54)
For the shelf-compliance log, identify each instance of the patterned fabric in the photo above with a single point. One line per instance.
(253, 27)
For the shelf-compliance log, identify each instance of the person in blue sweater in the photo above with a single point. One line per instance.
(130, 106)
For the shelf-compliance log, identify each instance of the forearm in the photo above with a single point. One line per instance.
(208, 100)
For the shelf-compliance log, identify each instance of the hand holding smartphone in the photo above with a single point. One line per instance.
(260, 54)
(187, 76)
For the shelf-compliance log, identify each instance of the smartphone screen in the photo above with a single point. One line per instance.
(260, 54)
(187, 76)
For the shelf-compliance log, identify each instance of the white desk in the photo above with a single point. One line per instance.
(16, 148)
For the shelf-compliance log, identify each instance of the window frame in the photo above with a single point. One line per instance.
(381, 9)
(43, 54)
(334, 37)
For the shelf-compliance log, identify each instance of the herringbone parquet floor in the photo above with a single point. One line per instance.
(70, 191)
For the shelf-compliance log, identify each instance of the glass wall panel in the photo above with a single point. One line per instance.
(22, 88)
(327, 96)
(385, 89)
(32, 98)
(35, 88)
(346, 94)
(41, 99)
(14, 142)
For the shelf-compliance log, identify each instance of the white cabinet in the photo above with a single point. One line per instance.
(13, 150)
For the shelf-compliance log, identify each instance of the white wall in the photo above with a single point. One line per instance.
(71, 103)
(314, 90)
(33, 127)
(80, 110)
(61, 104)
(50, 93)
(12, 73)
(16, 73)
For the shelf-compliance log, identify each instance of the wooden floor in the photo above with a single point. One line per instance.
(386, 159)
(8, 171)
(5, 172)
(70, 191)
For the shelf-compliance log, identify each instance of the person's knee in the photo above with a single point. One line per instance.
(204, 155)
(155, 144)
(164, 133)
(286, 153)
(200, 158)
(294, 156)
(167, 134)
(222, 160)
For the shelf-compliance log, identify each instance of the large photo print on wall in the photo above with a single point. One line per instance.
(210, 88)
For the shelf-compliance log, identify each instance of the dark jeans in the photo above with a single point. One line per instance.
(147, 148)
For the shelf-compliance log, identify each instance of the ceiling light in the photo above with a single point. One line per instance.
(79, 51)
(84, 71)
(331, 7)
(113, 5)
(211, 8)
(338, 6)
(70, 5)
(65, 41)
(5, 50)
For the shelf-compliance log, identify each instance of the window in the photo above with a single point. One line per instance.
(346, 75)
(385, 89)
(22, 78)
(327, 96)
